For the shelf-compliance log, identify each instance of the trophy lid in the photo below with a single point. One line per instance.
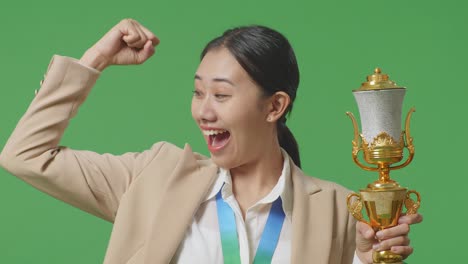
(378, 81)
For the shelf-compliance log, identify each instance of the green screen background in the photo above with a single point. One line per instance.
(420, 44)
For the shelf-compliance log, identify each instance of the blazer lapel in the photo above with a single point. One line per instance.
(184, 192)
(312, 220)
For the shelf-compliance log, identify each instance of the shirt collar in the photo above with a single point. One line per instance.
(283, 187)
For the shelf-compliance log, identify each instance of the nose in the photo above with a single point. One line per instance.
(203, 110)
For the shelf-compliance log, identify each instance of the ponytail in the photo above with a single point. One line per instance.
(288, 142)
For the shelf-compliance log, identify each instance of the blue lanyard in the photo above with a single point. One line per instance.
(230, 241)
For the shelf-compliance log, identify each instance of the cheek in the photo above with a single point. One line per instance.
(193, 109)
(249, 120)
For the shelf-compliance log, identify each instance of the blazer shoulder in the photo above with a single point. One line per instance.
(329, 185)
(173, 154)
(312, 184)
(325, 185)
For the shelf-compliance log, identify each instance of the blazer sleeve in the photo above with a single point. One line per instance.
(349, 249)
(90, 181)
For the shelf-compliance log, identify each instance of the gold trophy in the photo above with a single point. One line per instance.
(382, 142)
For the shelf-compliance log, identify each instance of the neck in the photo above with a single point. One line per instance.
(253, 181)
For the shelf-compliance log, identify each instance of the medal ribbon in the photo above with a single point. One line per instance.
(230, 241)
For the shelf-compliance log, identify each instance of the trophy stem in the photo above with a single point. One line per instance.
(384, 173)
(384, 182)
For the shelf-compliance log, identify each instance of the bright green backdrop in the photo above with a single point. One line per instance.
(421, 44)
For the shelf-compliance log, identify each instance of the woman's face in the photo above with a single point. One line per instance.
(231, 111)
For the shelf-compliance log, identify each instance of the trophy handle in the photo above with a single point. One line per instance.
(411, 205)
(357, 145)
(408, 141)
(355, 207)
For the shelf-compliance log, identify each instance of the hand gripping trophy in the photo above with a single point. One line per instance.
(382, 142)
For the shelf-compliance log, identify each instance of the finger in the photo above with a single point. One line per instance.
(404, 251)
(143, 38)
(128, 31)
(132, 36)
(391, 242)
(136, 41)
(146, 52)
(410, 219)
(399, 230)
(155, 40)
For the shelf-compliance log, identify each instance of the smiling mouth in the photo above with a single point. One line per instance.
(217, 139)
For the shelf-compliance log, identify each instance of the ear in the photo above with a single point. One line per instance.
(278, 103)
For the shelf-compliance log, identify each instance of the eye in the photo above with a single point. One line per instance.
(221, 96)
(197, 93)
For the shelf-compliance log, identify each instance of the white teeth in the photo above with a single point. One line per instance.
(213, 132)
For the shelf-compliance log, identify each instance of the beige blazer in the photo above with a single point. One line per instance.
(151, 196)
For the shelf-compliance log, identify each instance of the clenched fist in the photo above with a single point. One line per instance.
(126, 43)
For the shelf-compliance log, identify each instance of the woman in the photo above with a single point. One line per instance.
(249, 202)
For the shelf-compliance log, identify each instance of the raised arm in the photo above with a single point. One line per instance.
(90, 181)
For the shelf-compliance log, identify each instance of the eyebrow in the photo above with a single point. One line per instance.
(197, 77)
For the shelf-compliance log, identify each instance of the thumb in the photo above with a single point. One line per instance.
(365, 237)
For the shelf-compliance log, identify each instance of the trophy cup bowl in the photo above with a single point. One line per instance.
(382, 142)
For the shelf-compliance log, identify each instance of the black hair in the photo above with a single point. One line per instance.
(269, 59)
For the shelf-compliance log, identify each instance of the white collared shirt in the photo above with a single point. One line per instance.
(202, 241)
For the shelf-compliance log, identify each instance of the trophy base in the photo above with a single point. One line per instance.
(386, 257)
